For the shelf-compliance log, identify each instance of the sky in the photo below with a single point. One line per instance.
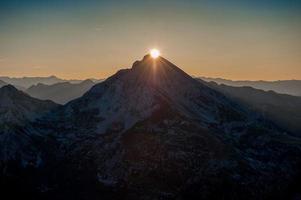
(72, 39)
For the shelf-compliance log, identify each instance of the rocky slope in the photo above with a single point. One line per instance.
(17, 136)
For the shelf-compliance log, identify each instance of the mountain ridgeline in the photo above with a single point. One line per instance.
(291, 87)
(2, 83)
(60, 92)
(26, 82)
(151, 132)
(283, 109)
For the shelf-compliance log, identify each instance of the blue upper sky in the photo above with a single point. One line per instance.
(276, 5)
(230, 39)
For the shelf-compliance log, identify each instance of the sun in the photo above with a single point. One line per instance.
(155, 53)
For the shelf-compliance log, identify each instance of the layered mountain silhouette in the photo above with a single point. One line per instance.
(284, 110)
(26, 82)
(291, 87)
(154, 132)
(19, 108)
(60, 92)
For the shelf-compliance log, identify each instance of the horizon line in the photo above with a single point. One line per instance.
(103, 78)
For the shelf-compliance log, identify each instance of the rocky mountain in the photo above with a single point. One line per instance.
(60, 92)
(19, 141)
(291, 87)
(18, 108)
(284, 110)
(154, 132)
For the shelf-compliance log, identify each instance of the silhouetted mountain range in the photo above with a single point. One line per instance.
(151, 132)
(29, 81)
(26, 82)
(60, 92)
(292, 87)
(284, 110)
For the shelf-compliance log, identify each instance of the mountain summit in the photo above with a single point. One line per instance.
(151, 85)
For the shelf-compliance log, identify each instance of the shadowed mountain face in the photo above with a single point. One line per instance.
(284, 110)
(60, 92)
(292, 87)
(18, 140)
(18, 108)
(154, 132)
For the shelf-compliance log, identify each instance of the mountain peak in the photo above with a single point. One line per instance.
(147, 60)
(87, 81)
(155, 64)
(151, 85)
(159, 72)
(8, 88)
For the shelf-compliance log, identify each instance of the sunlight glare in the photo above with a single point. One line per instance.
(155, 53)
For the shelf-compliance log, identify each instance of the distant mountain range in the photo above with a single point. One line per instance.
(2, 83)
(292, 87)
(26, 82)
(149, 132)
(61, 93)
(284, 110)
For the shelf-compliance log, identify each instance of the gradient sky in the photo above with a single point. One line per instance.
(258, 39)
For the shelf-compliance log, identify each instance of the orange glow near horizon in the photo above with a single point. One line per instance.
(238, 68)
(83, 41)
